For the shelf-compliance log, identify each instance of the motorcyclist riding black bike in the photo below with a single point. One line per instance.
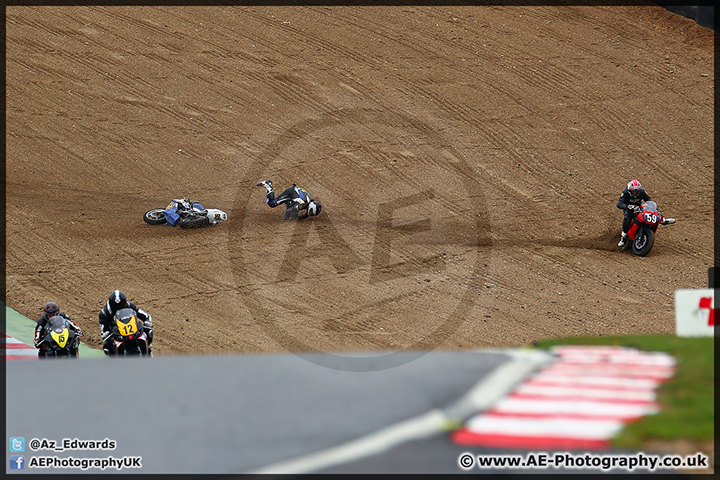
(51, 309)
(116, 301)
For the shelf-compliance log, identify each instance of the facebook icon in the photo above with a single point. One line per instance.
(17, 462)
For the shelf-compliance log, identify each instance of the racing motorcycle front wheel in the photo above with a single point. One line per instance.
(643, 242)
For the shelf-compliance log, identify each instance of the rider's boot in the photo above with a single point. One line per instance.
(623, 239)
(267, 184)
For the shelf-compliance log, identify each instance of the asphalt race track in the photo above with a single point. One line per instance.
(245, 413)
(282, 414)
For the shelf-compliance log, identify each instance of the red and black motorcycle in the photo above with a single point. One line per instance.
(128, 334)
(643, 227)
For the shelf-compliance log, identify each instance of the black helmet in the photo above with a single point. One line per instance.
(51, 309)
(117, 300)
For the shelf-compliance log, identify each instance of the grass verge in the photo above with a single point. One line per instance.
(687, 400)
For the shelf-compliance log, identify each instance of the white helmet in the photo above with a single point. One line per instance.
(634, 187)
(216, 215)
(313, 208)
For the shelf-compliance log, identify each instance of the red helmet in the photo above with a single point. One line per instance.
(634, 187)
(51, 309)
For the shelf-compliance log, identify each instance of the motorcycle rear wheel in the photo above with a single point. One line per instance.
(156, 216)
(643, 243)
(193, 221)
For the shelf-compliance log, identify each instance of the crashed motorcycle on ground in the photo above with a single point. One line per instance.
(128, 334)
(185, 214)
(643, 228)
(60, 341)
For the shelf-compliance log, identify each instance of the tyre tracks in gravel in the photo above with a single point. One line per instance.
(550, 78)
(558, 81)
(481, 93)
